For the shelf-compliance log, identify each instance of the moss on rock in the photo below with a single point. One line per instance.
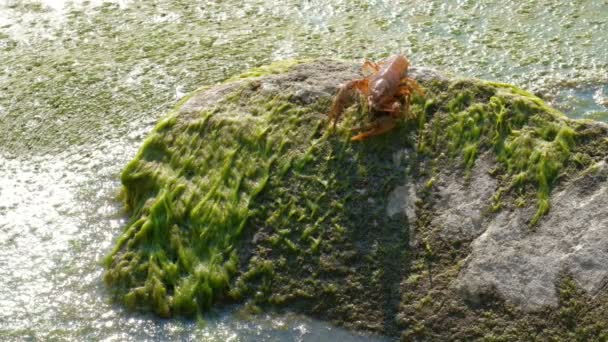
(192, 189)
(250, 198)
(531, 141)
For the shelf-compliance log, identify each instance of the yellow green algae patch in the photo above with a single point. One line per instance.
(277, 67)
(531, 141)
(191, 190)
(253, 199)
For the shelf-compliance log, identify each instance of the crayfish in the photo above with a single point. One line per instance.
(387, 90)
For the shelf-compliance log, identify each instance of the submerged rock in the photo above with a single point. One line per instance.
(483, 217)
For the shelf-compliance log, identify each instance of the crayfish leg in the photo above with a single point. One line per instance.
(370, 68)
(380, 126)
(344, 98)
(407, 88)
(411, 85)
(362, 86)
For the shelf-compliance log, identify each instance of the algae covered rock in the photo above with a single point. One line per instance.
(476, 219)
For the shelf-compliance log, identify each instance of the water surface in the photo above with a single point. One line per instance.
(81, 83)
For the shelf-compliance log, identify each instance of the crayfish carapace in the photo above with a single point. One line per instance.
(388, 91)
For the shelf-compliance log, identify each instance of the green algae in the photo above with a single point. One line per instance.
(192, 189)
(276, 67)
(534, 148)
(531, 141)
(201, 181)
(70, 91)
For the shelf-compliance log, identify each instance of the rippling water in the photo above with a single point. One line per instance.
(82, 82)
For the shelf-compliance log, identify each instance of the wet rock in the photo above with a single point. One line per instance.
(524, 264)
(402, 201)
(424, 74)
(242, 195)
(463, 200)
(211, 96)
(310, 82)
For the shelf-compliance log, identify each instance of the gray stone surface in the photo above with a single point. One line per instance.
(402, 200)
(307, 82)
(524, 265)
(311, 81)
(463, 200)
(424, 74)
(208, 97)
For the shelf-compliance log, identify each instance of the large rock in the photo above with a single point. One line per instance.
(481, 217)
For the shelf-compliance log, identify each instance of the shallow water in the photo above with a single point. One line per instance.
(81, 83)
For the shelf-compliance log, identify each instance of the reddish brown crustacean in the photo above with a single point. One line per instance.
(387, 90)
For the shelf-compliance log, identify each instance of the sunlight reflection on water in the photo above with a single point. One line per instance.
(59, 212)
